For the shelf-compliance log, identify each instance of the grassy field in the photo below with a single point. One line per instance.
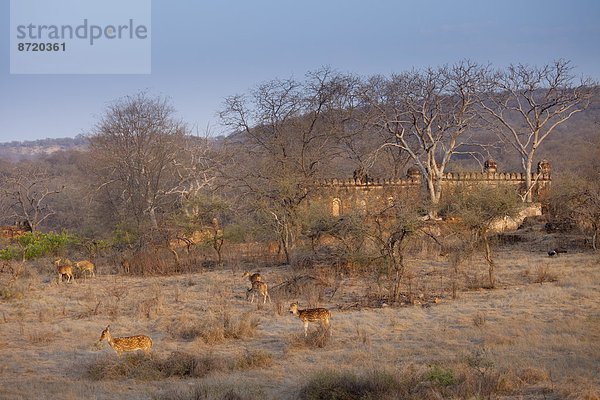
(536, 336)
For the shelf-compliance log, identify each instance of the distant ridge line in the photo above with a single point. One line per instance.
(29, 149)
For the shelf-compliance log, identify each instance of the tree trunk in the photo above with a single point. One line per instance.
(399, 273)
(437, 196)
(434, 189)
(32, 226)
(175, 256)
(153, 218)
(455, 279)
(528, 181)
(217, 245)
(490, 261)
(286, 251)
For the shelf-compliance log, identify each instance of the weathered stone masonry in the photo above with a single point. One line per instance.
(369, 195)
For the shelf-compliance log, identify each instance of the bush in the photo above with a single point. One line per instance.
(183, 365)
(341, 386)
(254, 359)
(36, 245)
(10, 253)
(11, 292)
(221, 326)
(441, 376)
(176, 365)
(139, 366)
(130, 366)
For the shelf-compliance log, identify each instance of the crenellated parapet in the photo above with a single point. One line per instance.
(363, 184)
(484, 176)
(413, 177)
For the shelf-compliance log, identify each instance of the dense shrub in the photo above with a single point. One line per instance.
(441, 376)
(35, 245)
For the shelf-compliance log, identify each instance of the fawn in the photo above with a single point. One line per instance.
(260, 288)
(129, 343)
(86, 265)
(252, 277)
(321, 315)
(64, 267)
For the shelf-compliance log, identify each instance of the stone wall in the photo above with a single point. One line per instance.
(364, 194)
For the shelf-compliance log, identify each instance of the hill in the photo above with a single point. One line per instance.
(575, 137)
(21, 150)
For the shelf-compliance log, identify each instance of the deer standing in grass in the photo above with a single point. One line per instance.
(129, 343)
(86, 265)
(321, 315)
(261, 288)
(126, 265)
(64, 267)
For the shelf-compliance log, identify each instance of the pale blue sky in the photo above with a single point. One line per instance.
(204, 51)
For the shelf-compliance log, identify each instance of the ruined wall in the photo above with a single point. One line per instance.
(367, 195)
(345, 196)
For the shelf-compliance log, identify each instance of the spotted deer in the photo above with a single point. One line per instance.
(261, 288)
(255, 277)
(125, 264)
(86, 265)
(321, 315)
(64, 267)
(129, 343)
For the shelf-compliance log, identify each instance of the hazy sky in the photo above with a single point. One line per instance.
(203, 51)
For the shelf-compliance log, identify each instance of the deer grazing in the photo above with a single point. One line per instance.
(86, 265)
(258, 287)
(321, 315)
(129, 343)
(64, 267)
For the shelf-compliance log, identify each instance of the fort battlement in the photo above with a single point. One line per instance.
(363, 192)
(491, 177)
(449, 177)
(367, 183)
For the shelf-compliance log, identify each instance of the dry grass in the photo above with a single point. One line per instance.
(341, 386)
(214, 327)
(254, 359)
(315, 340)
(177, 364)
(536, 336)
(216, 391)
(458, 381)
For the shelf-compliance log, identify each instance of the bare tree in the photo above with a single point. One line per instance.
(146, 161)
(586, 205)
(575, 200)
(27, 193)
(205, 213)
(525, 104)
(427, 114)
(287, 130)
(392, 229)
